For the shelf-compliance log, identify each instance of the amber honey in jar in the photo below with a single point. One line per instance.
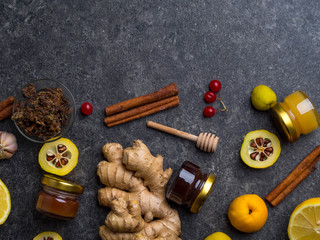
(190, 186)
(296, 115)
(58, 197)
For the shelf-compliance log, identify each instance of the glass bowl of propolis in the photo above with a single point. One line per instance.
(44, 110)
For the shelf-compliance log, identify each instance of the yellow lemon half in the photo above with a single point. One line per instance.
(304, 222)
(218, 236)
(263, 98)
(5, 202)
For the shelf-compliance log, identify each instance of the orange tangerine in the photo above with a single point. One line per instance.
(248, 213)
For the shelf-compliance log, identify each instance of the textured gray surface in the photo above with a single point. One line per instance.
(108, 51)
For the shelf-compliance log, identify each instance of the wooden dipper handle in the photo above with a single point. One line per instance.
(172, 131)
(205, 141)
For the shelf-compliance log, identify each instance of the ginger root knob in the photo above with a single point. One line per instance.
(135, 187)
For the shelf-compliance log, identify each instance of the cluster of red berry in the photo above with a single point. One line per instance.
(211, 96)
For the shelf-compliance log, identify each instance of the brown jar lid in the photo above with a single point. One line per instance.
(284, 123)
(204, 193)
(61, 184)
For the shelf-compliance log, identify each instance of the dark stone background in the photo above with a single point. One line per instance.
(109, 51)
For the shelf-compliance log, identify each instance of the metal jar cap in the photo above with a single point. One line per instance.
(284, 123)
(204, 193)
(61, 184)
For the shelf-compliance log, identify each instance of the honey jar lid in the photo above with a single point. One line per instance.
(284, 123)
(61, 184)
(204, 193)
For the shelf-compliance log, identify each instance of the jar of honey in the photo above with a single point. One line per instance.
(190, 186)
(296, 115)
(58, 197)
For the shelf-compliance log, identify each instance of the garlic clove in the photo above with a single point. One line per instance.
(8, 145)
(7, 138)
(7, 155)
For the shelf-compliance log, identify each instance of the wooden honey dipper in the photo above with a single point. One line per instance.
(205, 141)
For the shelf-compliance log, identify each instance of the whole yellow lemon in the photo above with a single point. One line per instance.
(218, 236)
(263, 98)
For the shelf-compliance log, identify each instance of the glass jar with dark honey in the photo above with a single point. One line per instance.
(190, 186)
(58, 197)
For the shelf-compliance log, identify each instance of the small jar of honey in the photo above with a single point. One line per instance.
(296, 115)
(58, 197)
(190, 186)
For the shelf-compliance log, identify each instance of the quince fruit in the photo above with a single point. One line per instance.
(58, 157)
(48, 235)
(260, 149)
(263, 98)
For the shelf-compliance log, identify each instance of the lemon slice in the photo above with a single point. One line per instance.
(5, 202)
(304, 223)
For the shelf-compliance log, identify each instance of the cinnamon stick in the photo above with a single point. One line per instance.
(7, 102)
(295, 183)
(139, 110)
(168, 91)
(6, 112)
(165, 106)
(309, 160)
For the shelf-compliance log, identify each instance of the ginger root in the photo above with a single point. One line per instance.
(135, 187)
